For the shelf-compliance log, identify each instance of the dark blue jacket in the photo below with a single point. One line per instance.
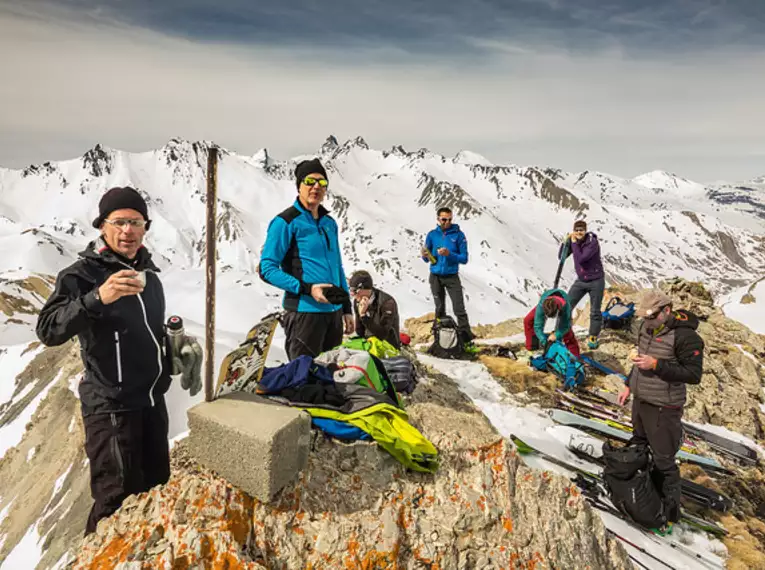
(454, 240)
(302, 370)
(299, 252)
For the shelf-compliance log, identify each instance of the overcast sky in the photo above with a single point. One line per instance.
(620, 86)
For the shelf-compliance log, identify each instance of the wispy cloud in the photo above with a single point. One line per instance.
(133, 74)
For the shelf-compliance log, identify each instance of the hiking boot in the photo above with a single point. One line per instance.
(592, 342)
(664, 530)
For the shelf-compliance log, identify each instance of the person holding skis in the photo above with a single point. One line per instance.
(112, 300)
(553, 305)
(584, 246)
(448, 246)
(302, 256)
(669, 356)
(376, 312)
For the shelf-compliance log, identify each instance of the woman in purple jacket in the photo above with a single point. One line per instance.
(589, 270)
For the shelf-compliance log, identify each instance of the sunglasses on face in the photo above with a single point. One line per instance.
(122, 224)
(445, 219)
(311, 181)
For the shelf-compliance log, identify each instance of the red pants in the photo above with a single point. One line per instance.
(532, 342)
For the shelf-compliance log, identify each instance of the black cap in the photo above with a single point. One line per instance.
(580, 224)
(360, 280)
(119, 198)
(307, 167)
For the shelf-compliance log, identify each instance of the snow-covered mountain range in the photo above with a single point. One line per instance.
(653, 226)
(650, 227)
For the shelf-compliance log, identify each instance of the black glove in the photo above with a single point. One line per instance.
(336, 295)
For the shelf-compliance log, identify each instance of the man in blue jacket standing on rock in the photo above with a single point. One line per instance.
(302, 256)
(591, 278)
(445, 249)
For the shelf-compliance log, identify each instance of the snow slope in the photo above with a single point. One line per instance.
(747, 305)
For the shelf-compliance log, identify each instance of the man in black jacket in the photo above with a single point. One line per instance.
(669, 355)
(112, 300)
(375, 311)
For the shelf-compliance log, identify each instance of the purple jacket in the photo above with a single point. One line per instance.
(587, 261)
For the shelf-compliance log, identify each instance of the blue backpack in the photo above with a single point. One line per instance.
(559, 360)
(618, 315)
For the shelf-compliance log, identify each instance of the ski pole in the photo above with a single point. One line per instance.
(640, 549)
(563, 256)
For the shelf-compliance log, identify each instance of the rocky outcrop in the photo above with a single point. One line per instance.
(354, 506)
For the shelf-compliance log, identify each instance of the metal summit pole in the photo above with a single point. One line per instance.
(210, 251)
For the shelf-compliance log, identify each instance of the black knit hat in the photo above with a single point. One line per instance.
(119, 198)
(360, 280)
(580, 224)
(309, 167)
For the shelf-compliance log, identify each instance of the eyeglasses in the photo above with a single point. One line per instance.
(311, 181)
(445, 219)
(122, 224)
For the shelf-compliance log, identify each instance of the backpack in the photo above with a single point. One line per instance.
(402, 373)
(627, 476)
(446, 339)
(618, 315)
(349, 366)
(372, 345)
(559, 360)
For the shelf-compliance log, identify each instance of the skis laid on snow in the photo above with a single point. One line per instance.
(589, 481)
(735, 449)
(591, 449)
(564, 417)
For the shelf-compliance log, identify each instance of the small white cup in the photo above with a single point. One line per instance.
(141, 277)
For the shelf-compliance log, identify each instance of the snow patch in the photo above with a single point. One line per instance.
(31, 453)
(27, 552)
(11, 434)
(13, 361)
(751, 315)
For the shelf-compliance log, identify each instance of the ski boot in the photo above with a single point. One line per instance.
(592, 342)
(664, 530)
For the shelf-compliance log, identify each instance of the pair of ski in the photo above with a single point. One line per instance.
(597, 501)
(590, 449)
(592, 488)
(735, 449)
(580, 407)
(567, 418)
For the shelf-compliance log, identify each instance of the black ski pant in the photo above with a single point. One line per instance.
(451, 284)
(662, 430)
(312, 333)
(595, 290)
(128, 453)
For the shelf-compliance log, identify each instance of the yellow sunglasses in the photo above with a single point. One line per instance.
(310, 181)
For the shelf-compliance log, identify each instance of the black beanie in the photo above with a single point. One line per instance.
(309, 167)
(360, 280)
(119, 198)
(580, 224)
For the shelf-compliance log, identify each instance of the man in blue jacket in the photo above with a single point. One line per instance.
(302, 256)
(445, 249)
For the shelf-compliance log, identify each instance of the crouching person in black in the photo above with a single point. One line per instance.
(112, 300)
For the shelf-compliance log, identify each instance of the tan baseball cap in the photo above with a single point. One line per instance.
(651, 301)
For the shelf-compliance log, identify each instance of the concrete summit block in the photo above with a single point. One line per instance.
(258, 446)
